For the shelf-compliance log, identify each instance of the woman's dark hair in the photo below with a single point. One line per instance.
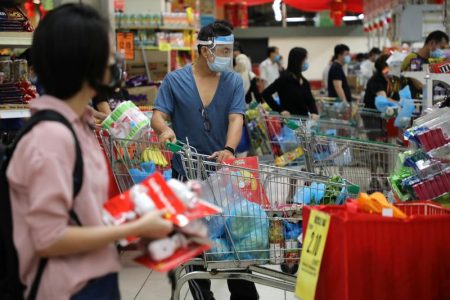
(381, 63)
(271, 50)
(296, 58)
(209, 32)
(70, 46)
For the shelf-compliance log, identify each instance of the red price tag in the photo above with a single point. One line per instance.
(125, 44)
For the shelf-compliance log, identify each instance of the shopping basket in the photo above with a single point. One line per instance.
(365, 163)
(132, 161)
(260, 224)
(374, 257)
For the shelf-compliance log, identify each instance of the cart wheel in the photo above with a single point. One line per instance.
(289, 268)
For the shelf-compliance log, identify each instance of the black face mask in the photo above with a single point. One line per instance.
(105, 91)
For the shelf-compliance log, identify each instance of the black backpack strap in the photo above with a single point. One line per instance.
(50, 115)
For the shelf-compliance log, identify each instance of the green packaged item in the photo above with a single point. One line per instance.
(126, 122)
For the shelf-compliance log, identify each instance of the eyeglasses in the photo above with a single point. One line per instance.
(206, 121)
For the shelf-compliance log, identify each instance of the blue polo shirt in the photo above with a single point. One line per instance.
(178, 97)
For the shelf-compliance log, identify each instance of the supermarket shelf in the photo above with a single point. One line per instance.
(154, 48)
(16, 39)
(421, 76)
(156, 28)
(14, 113)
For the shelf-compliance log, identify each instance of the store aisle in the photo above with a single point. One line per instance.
(138, 283)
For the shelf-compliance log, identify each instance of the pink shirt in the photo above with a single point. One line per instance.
(40, 178)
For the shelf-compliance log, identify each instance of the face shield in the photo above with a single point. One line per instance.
(220, 58)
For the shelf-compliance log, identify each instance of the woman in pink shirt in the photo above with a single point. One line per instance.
(73, 59)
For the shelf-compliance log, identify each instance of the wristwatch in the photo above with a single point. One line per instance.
(230, 149)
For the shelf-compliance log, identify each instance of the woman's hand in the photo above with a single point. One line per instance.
(220, 156)
(152, 225)
(314, 117)
(167, 136)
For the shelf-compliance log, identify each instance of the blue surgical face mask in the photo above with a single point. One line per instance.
(305, 66)
(220, 64)
(277, 57)
(347, 59)
(438, 53)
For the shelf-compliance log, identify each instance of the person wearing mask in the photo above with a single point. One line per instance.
(337, 81)
(368, 66)
(435, 42)
(269, 69)
(243, 66)
(82, 261)
(293, 88)
(205, 104)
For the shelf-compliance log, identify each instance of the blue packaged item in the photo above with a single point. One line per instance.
(310, 194)
(148, 167)
(137, 175)
(405, 93)
(220, 250)
(403, 118)
(167, 174)
(382, 103)
(287, 139)
(292, 230)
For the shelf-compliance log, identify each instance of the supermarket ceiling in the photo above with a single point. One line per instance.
(354, 6)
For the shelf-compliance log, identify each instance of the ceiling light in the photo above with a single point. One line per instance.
(350, 18)
(299, 19)
(276, 6)
(361, 17)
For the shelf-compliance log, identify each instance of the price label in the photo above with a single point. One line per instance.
(165, 47)
(312, 252)
(125, 44)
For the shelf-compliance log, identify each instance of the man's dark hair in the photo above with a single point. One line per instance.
(70, 46)
(374, 51)
(225, 23)
(381, 63)
(238, 47)
(340, 49)
(296, 58)
(436, 36)
(209, 32)
(271, 50)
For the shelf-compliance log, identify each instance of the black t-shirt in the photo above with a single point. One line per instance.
(337, 73)
(375, 84)
(295, 98)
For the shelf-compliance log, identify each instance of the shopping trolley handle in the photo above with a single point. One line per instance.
(175, 147)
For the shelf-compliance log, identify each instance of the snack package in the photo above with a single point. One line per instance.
(246, 180)
(184, 209)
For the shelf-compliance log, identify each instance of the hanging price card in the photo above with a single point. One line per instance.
(312, 252)
(125, 44)
(164, 47)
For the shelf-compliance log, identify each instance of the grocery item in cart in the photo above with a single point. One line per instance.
(288, 157)
(153, 154)
(126, 122)
(276, 240)
(245, 179)
(376, 203)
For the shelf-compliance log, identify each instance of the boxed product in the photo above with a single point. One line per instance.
(185, 209)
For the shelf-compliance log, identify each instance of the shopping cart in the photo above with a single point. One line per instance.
(261, 221)
(132, 161)
(364, 163)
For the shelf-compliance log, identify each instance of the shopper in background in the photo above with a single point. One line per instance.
(368, 66)
(205, 103)
(269, 69)
(293, 88)
(73, 59)
(434, 43)
(325, 73)
(243, 66)
(337, 81)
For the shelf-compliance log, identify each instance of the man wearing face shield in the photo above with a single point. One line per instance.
(205, 104)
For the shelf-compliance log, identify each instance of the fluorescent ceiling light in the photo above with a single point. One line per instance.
(299, 19)
(276, 6)
(361, 17)
(350, 18)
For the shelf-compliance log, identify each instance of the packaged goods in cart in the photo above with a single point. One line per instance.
(276, 240)
(184, 209)
(245, 179)
(126, 121)
(376, 203)
(288, 157)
